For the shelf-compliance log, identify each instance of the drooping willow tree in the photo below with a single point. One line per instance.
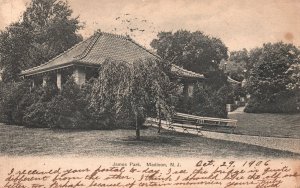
(140, 89)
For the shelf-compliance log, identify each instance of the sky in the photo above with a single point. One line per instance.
(238, 23)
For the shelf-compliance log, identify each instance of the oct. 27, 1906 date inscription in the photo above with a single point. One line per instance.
(131, 174)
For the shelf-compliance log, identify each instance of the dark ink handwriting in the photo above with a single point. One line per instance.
(204, 173)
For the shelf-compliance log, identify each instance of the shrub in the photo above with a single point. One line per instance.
(283, 103)
(35, 114)
(205, 102)
(14, 99)
(69, 108)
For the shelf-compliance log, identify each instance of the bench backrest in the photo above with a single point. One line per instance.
(201, 120)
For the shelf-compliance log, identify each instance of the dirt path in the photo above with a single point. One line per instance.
(284, 144)
(237, 111)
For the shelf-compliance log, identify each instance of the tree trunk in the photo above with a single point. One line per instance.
(137, 128)
(159, 120)
(185, 93)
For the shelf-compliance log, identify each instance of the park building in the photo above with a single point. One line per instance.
(83, 60)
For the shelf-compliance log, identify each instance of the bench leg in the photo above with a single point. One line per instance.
(232, 131)
(199, 132)
(185, 130)
(171, 128)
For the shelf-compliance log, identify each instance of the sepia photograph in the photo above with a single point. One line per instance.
(149, 93)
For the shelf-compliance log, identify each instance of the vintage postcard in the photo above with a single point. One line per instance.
(149, 93)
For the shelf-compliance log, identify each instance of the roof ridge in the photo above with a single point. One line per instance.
(127, 38)
(143, 47)
(89, 47)
(59, 55)
(115, 35)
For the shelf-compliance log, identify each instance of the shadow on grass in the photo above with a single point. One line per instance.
(192, 145)
(66, 130)
(163, 138)
(150, 140)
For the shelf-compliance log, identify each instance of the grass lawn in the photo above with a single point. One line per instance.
(277, 125)
(21, 141)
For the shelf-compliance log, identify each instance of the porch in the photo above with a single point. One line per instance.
(80, 74)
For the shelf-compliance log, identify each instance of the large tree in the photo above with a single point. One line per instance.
(15, 43)
(46, 29)
(53, 27)
(192, 50)
(238, 66)
(196, 52)
(137, 90)
(270, 77)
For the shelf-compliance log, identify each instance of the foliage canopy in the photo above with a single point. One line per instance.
(193, 51)
(136, 90)
(270, 78)
(46, 29)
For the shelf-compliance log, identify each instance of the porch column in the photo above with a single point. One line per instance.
(79, 76)
(185, 93)
(190, 89)
(32, 83)
(44, 81)
(58, 80)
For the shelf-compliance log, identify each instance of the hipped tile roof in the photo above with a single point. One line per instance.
(99, 47)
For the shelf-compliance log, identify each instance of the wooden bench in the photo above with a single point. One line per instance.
(206, 123)
(189, 123)
(186, 128)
